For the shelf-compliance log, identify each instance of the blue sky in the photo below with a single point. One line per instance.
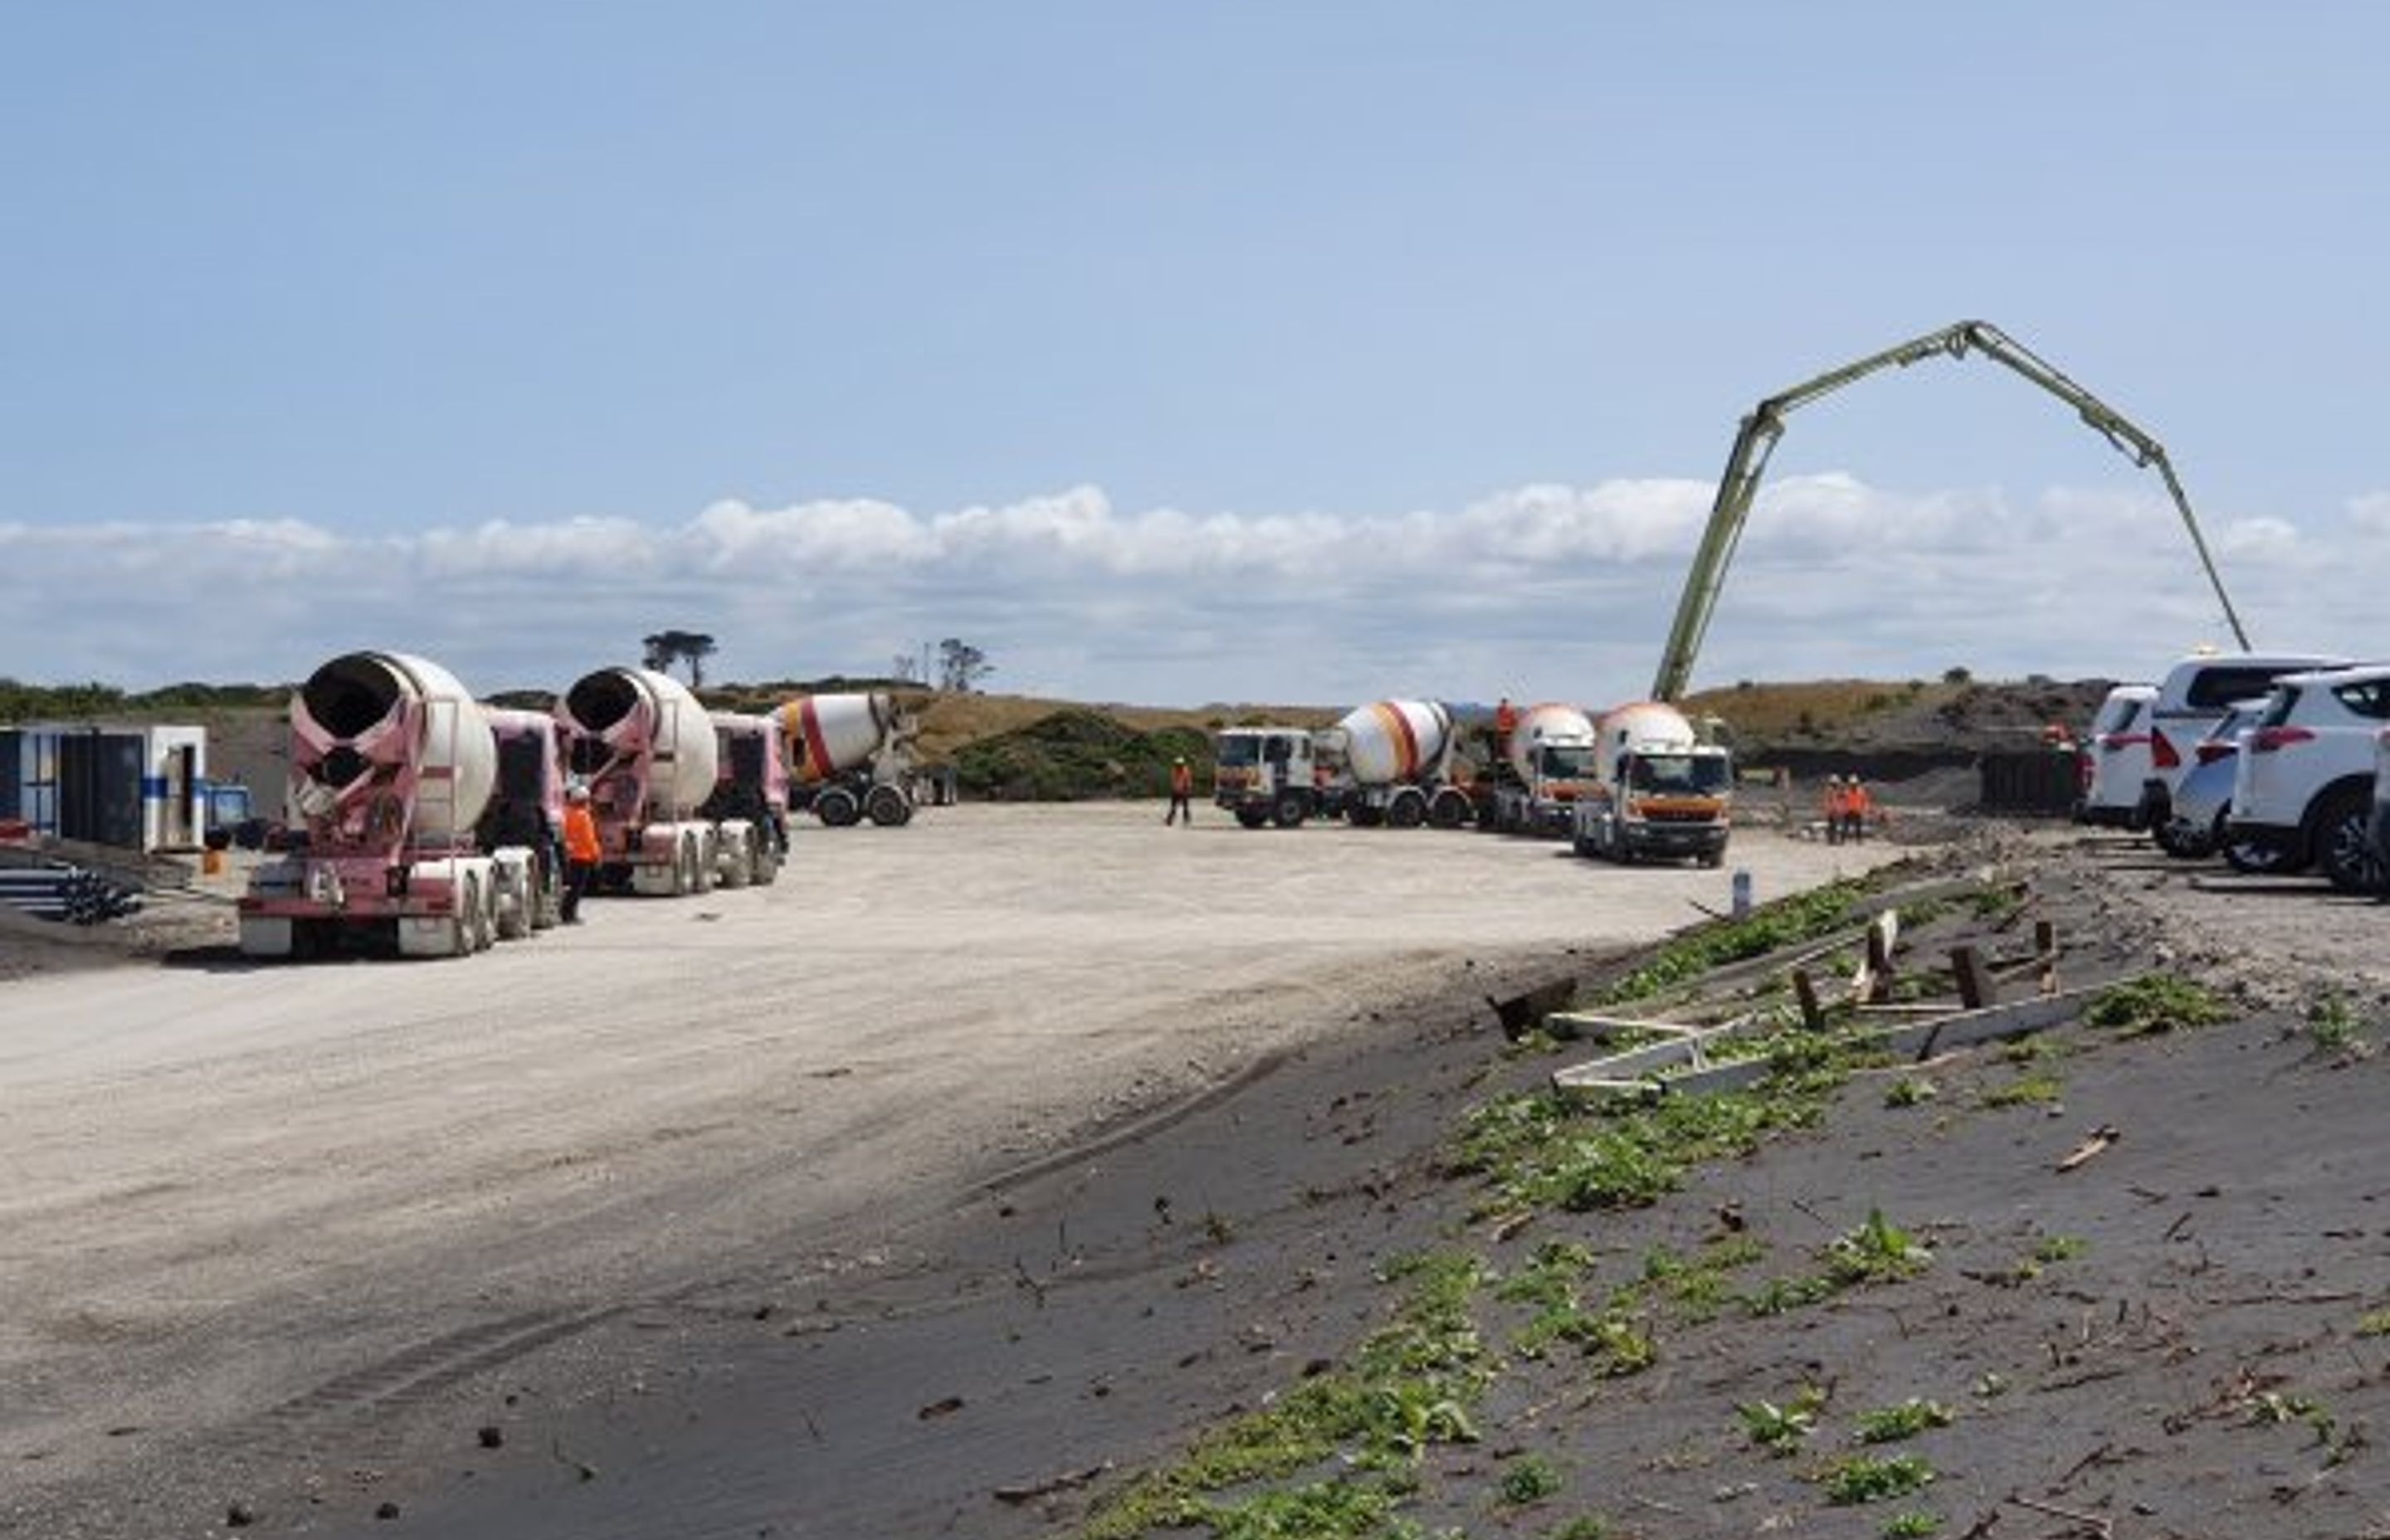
(1170, 355)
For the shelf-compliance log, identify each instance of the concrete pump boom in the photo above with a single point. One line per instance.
(1756, 440)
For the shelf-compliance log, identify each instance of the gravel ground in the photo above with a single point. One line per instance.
(265, 1228)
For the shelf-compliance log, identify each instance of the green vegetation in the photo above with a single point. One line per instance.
(1910, 1525)
(1530, 1479)
(2374, 1323)
(2059, 1248)
(1911, 1091)
(1877, 1252)
(1871, 1479)
(23, 702)
(1782, 1429)
(1077, 753)
(2036, 1090)
(1903, 1420)
(2332, 1023)
(2158, 1003)
(1786, 923)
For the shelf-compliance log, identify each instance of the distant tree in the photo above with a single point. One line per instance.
(664, 649)
(907, 670)
(961, 666)
(1958, 675)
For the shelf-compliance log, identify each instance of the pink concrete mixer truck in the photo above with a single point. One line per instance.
(748, 808)
(850, 757)
(1658, 790)
(393, 762)
(524, 820)
(1536, 778)
(644, 748)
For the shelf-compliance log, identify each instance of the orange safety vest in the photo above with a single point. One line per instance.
(1182, 780)
(581, 834)
(1854, 801)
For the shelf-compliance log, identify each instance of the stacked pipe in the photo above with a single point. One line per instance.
(69, 893)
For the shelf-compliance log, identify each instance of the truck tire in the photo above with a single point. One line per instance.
(1252, 817)
(837, 807)
(1289, 810)
(1409, 810)
(1365, 817)
(887, 807)
(1447, 809)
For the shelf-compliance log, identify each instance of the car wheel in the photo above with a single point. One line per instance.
(2344, 842)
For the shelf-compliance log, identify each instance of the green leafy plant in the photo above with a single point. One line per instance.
(1873, 1479)
(2161, 1002)
(1911, 1091)
(2035, 1090)
(2332, 1023)
(1584, 1526)
(1782, 1429)
(2374, 1323)
(1902, 1420)
(1877, 1252)
(2059, 1248)
(1910, 1525)
(1529, 1479)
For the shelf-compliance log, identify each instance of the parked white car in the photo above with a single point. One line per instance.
(2306, 780)
(2192, 697)
(2116, 757)
(2382, 806)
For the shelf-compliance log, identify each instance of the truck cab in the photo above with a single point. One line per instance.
(1266, 775)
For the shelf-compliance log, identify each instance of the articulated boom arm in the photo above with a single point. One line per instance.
(1756, 441)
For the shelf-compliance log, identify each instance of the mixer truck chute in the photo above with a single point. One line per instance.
(1535, 777)
(393, 762)
(646, 750)
(850, 757)
(1658, 790)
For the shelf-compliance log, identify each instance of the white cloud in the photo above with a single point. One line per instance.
(1541, 590)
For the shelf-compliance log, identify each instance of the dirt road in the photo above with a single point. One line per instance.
(232, 1197)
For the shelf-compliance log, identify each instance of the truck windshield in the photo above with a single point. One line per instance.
(1695, 774)
(1240, 749)
(1569, 762)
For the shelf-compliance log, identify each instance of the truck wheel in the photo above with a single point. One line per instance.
(2344, 842)
(1289, 811)
(1363, 816)
(1252, 817)
(1448, 809)
(887, 807)
(1407, 811)
(837, 807)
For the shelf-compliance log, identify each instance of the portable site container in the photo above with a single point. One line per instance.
(136, 787)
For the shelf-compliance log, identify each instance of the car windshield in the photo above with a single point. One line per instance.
(1239, 749)
(1695, 774)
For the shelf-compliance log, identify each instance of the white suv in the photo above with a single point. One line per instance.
(2192, 697)
(2306, 780)
(2116, 757)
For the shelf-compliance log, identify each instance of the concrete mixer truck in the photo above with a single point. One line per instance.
(1537, 773)
(1391, 763)
(1658, 791)
(850, 757)
(644, 748)
(748, 808)
(524, 823)
(393, 762)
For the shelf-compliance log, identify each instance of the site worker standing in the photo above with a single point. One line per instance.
(1831, 804)
(1182, 789)
(1857, 805)
(581, 851)
(1505, 722)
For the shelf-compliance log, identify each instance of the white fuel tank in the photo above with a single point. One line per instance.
(1550, 722)
(826, 733)
(1389, 741)
(365, 710)
(650, 723)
